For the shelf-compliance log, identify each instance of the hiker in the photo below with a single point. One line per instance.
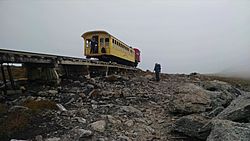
(157, 70)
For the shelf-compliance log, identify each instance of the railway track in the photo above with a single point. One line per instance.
(13, 56)
(50, 68)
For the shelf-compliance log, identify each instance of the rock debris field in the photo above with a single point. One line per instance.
(132, 107)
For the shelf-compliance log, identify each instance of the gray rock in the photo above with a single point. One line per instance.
(124, 138)
(193, 125)
(94, 106)
(238, 110)
(82, 112)
(18, 140)
(216, 111)
(18, 108)
(52, 92)
(98, 125)
(126, 92)
(70, 101)
(80, 119)
(129, 123)
(188, 99)
(149, 76)
(90, 86)
(61, 107)
(224, 130)
(53, 139)
(77, 82)
(77, 134)
(131, 110)
(221, 93)
(112, 78)
(39, 138)
(220, 86)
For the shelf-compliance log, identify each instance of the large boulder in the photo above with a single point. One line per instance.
(195, 126)
(224, 130)
(238, 110)
(221, 93)
(189, 99)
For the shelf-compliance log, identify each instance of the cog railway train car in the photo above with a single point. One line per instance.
(105, 47)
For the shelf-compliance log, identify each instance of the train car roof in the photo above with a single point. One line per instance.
(105, 32)
(95, 31)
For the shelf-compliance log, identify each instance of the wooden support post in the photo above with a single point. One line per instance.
(107, 71)
(4, 79)
(10, 77)
(88, 73)
(66, 71)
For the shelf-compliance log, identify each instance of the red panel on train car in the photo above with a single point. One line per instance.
(137, 54)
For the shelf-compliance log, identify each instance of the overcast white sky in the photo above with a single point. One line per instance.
(182, 35)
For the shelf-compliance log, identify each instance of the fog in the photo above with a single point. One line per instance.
(206, 36)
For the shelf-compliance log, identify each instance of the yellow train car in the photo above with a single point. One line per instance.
(105, 47)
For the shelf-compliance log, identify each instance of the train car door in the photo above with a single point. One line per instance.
(94, 45)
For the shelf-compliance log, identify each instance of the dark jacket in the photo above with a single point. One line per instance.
(157, 68)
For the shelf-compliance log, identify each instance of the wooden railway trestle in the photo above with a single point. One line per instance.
(49, 68)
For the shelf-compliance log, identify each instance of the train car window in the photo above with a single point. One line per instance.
(106, 41)
(102, 41)
(113, 41)
(88, 42)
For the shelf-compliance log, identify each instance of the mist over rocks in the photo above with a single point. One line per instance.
(127, 107)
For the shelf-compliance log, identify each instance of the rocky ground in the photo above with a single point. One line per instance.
(130, 107)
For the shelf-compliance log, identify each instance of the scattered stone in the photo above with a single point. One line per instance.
(39, 138)
(149, 129)
(53, 139)
(224, 130)
(149, 76)
(70, 101)
(18, 140)
(98, 125)
(94, 106)
(80, 119)
(129, 123)
(112, 78)
(82, 112)
(61, 108)
(90, 86)
(83, 95)
(77, 82)
(125, 108)
(131, 110)
(53, 92)
(111, 119)
(193, 125)
(124, 138)
(18, 108)
(77, 134)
